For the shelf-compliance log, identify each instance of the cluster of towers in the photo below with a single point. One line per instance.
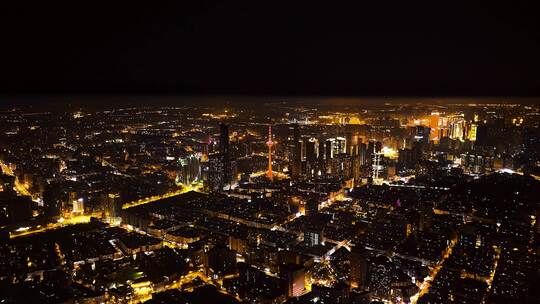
(344, 157)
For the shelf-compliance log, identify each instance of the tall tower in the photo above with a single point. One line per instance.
(297, 153)
(270, 143)
(434, 126)
(359, 267)
(224, 151)
(376, 166)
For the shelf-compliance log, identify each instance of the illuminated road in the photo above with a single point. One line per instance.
(79, 219)
(146, 294)
(184, 189)
(279, 175)
(331, 200)
(424, 288)
(7, 170)
(489, 280)
(19, 187)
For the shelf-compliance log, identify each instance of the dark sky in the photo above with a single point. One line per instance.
(269, 47)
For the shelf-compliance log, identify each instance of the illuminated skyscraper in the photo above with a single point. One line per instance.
(376, 166)
(295, 277)
(340, 145)
(434, 126)
(212, 173)
(297, 153)
(190, 169)
(78, 206)
(112, 206)
(313, 235)
(472, 132)
(224, 150)
(456, 127)
(421, 134)
(270, 143)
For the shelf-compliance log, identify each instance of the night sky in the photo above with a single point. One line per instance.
(269, 47)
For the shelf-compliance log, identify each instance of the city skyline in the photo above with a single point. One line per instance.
(332, 202)
(281, 152)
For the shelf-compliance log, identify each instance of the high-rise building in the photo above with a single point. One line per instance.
(78, 206)
(372, 148)
(405, 158)
(297, 153)
(340, 145)
(220, 261)
(294, 275)
(355, 164)
(359, 267)
(482, 135)
(190, 169)
(329, 148)
(270, 144)
(420, 134)
(362, 154)
(112, 206)
(472, 132)
(311, 149)
(417, 151)
(351, 141)
(212, 173)
(456, 127)
(225, 154)
(321, 150)
(52, 200)
(434, 126)
(376, 166)
(313, 235)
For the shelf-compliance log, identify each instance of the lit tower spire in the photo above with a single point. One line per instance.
(270, 143)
